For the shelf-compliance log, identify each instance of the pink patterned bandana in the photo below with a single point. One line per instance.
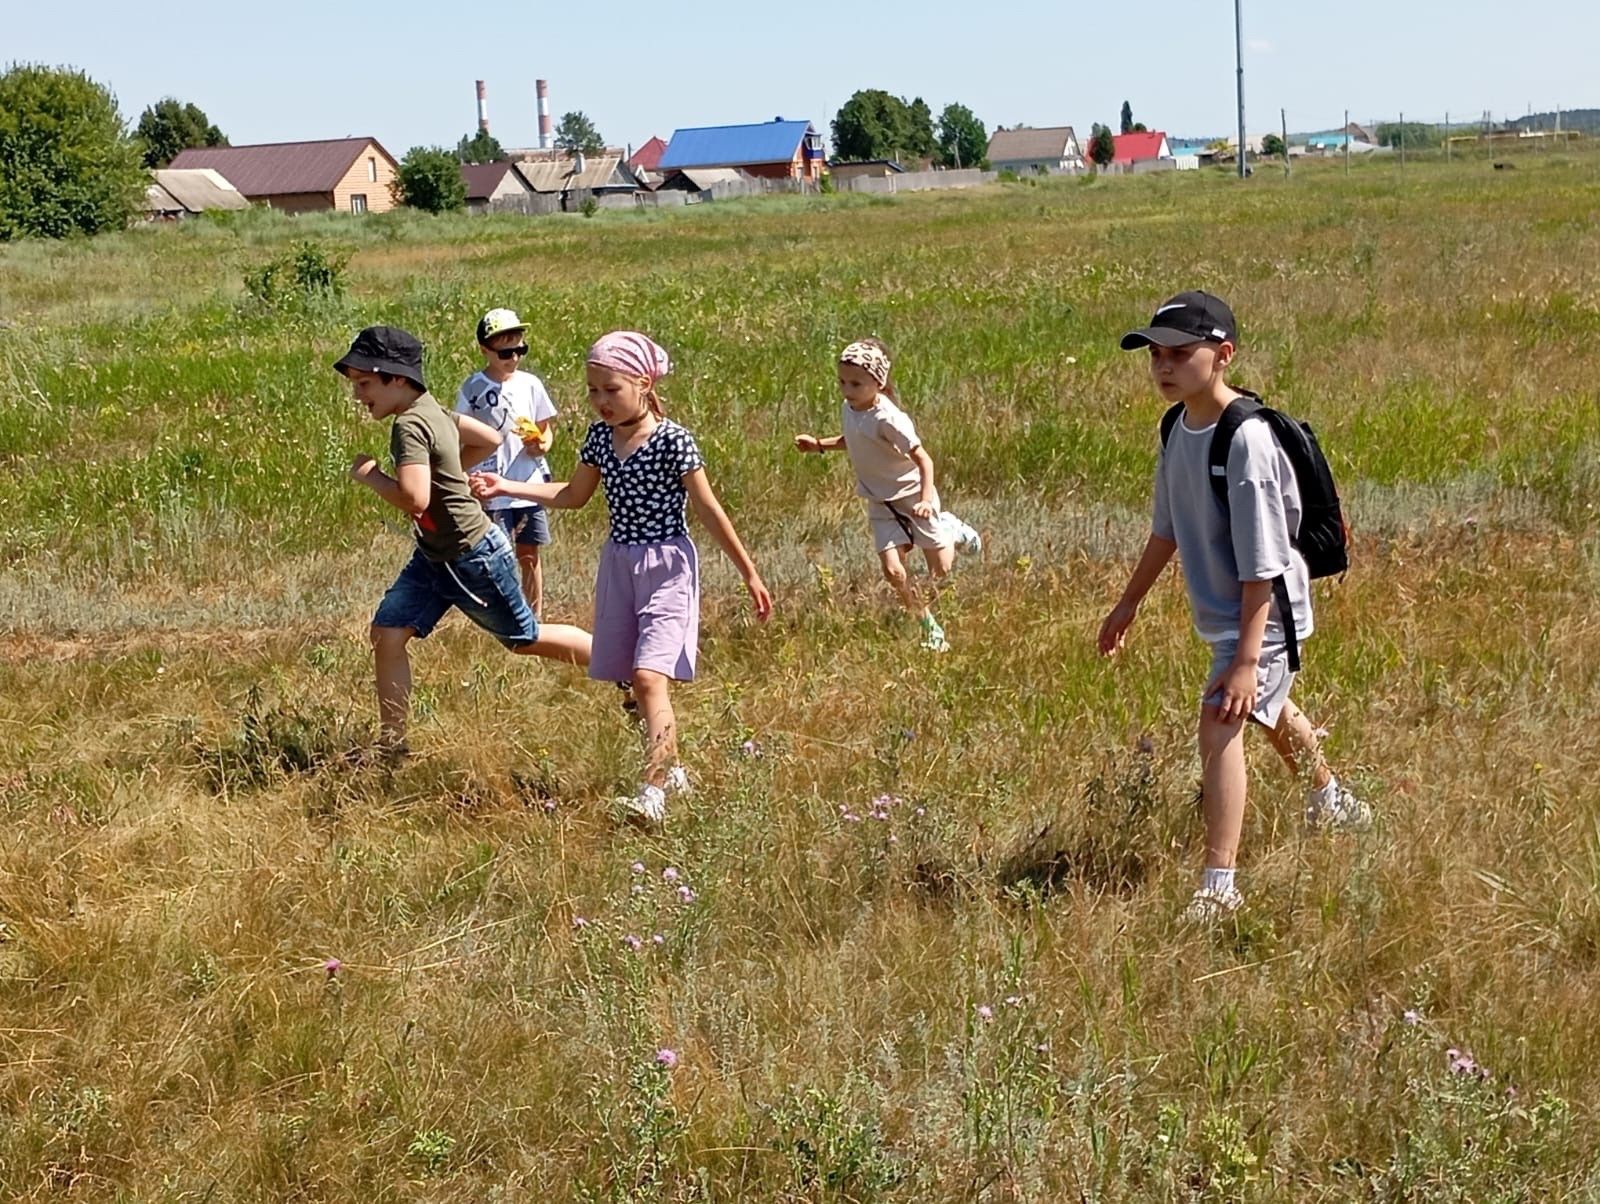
(869, 359)
(632, 353)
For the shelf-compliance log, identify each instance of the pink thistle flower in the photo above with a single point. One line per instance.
(667, 1059)
(658, 939)
(332, 966)
(549, 806)
(1013, 1001)
(669, 874)
(985, 1013)
(685, 895)
(1412, 1017)
(579, 923)
(633, 942)
(636, 868)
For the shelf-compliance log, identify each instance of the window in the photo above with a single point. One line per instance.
(358, 202)
(372, 170)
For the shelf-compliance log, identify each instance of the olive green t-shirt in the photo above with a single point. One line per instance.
(454, 521)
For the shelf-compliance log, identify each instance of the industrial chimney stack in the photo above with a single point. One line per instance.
(542, 88)
(483, 108)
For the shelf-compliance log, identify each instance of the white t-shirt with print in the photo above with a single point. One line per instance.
(500, 405)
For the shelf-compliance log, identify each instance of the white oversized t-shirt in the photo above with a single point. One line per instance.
(1250, 541)
(880, 441)
(500, 405)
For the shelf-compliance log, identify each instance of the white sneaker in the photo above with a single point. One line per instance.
(965, 537)
(933, 637)
(677, 784)
(1342, 812)
(648, 808)
(1209, 906)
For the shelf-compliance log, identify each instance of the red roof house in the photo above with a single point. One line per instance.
(349, 174)
(648, 156)
(1136, 148)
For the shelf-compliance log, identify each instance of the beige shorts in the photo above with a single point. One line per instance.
(1273, 678)
(895, 526)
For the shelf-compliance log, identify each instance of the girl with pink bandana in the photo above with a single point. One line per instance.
(894, 475)
(647, 592)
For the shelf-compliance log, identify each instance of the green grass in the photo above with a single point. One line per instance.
(188, 577)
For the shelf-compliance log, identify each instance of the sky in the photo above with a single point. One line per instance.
(404, 71)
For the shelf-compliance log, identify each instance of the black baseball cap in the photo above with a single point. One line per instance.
(1192, 317)
(385, 349)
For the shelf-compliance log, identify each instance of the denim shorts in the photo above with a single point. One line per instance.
(482, 582)
(528, 526)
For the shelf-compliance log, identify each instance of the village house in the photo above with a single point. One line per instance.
(773, 150)
(350, 175)
(648, 156)
(176, 193)
(493, 187)
(871, 169)
(1050, 150)
(1143, 151)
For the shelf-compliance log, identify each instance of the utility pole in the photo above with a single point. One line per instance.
(1347, 142)
(1447, 135)
(1402, 132)
(1283, 120)
(1238, 48)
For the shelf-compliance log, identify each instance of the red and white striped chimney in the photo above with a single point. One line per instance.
(542, 90)
(483, 107)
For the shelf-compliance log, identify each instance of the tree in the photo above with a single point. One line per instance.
(1127, 118)
(1272, 146)
(962, 141)
(576, 135)
(1417, 134)
(1139, 127)
(167, 127)
(872, 125)
(67, 164)
(1102, 146)
(919, 120)
(430, 179)
(482, 147)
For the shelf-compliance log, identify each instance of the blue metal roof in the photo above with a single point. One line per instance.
(734, 145)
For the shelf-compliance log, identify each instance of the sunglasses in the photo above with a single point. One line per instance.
(507, 353)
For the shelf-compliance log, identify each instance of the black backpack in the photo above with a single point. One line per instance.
(1324, 537)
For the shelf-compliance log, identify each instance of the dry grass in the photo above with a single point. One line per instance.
(186, 841)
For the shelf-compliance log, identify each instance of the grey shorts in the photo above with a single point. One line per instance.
(895, 526)
(1273, 678)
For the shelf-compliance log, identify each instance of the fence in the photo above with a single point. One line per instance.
(916, 181)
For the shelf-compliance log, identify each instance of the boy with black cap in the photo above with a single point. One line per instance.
(461, 558)
(514, 402)
(1230, 559)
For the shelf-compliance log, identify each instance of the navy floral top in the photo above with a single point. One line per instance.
(645, 492)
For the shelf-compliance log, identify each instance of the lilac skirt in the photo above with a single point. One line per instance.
(646, 610)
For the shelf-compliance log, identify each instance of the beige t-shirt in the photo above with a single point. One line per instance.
(880, 442)
(453, 522)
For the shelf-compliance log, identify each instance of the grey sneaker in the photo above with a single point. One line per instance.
(1343, 812)
(647, 809)
(967, 540)
(1209, 906)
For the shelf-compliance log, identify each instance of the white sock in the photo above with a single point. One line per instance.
(1217, 881)
(1329, 794)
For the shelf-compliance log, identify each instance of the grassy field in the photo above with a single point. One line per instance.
(931, 949)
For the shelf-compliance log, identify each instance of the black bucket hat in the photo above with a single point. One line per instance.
(385, 349)
(1192, 317)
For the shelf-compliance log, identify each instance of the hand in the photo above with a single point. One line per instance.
(923, 510)
(1114, 631)
(807, 443)
(484, 485)
(360, 467)
(759, 596)
(1232, 693)
(537, 439)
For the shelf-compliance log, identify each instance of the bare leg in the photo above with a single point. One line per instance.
(1223, 783)
(532, 577)
(560, 642)
(1296, 741)
(939, 561)
(654, 692)
(894, 572)
(392, 668)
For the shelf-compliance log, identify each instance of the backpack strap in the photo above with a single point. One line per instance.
(1170, 420)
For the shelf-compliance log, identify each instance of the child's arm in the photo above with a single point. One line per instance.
(1237, 683)
(479, 440)
(716, 520)
(810, 443)
(1157, 552)
(923, 507)
(558, 495)
(410, 489)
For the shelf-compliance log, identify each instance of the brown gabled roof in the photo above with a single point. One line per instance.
(275, 168)
(1049, 142)
(483, 178)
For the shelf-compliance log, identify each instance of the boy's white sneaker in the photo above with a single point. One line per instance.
(648, 808)
(965, 537)
(677, 784)
(1335, 809)
(1210, 905)
(933, 636)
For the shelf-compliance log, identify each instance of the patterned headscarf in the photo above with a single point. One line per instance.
(870, 358)
(631, 352)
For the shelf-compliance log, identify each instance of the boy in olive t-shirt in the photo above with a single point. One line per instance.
(461, 559)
